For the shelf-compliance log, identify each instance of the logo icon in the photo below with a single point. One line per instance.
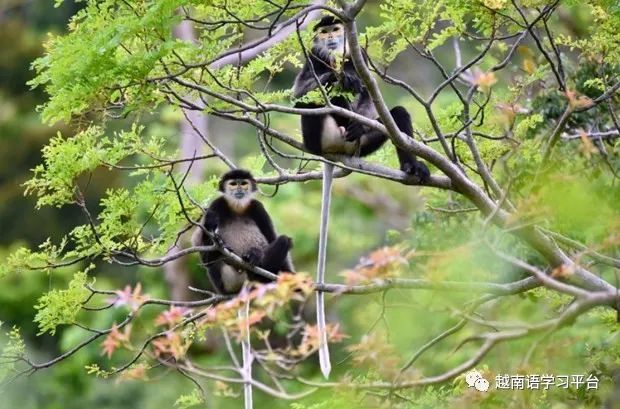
(474, 379)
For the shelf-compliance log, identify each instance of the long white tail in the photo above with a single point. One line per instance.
(246, 354)
(324, 360)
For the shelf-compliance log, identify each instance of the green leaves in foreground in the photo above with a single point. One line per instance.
(190, 400)
(145, 217)
(66, 159)
(11, 351)
(23, 259)
(61, 306)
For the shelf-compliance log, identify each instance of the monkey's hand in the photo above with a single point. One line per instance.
(327, 78)
(253, 256)
(355, 130)
(351, 82)
(217, 240)
(211, 221)
(418, 169)
(286, 241)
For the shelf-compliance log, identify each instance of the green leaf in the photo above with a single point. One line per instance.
(62, 306)
(189, 400)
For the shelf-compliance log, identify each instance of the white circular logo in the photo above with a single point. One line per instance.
(475, 380)
(482, 385)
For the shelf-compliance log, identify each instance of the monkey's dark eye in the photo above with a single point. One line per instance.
(244, 183)
(233, 184)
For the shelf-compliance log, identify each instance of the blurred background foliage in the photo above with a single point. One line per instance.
(578, 198)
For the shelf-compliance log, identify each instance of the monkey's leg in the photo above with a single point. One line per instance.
(341, 102)
(311, 128)
(273, 257)
(214, 271)
(408, 162)
(371, 141)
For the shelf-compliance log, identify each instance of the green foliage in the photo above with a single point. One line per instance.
(116, 62)
(11, 352)
(255, 164)
(122, 47)
(527, 124)
(190, 400)
(109, 55)
(67, 159)
(404, 25)
(62, 306)
(23, 259)
(94, 369)
(604, 32)
(570, 198)
(124, 212)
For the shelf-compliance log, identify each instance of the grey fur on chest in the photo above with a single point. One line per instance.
(242, 234)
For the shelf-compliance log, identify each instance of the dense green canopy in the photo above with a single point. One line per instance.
(506, 261)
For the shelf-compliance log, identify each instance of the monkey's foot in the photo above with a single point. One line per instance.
(354, 131)
(418, 169)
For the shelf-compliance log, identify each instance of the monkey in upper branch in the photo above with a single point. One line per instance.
(328, 65)
(240, 223)
(329, 62)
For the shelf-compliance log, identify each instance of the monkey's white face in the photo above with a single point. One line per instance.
(238, 193)
(331, 38)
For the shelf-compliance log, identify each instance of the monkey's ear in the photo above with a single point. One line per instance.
(220, 185)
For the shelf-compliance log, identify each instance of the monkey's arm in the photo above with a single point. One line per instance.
(200, 238)
(260, 216)
(351, 80)
(216, 212)
(363, 106)
(306, 82)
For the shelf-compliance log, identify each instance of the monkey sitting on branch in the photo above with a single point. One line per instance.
(328, 65)
(240, 223)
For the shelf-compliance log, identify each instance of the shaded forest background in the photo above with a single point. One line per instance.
(366, 215)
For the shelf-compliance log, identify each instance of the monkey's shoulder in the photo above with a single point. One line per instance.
(219, 205)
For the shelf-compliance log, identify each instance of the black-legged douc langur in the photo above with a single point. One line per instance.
(328, 65)
(240, 223)
(328, 62)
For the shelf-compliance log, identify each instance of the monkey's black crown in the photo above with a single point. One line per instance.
(326, 21)
(236, 174)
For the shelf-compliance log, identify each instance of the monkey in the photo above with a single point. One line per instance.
(240, 223)
(329, 62)
(328, 65)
